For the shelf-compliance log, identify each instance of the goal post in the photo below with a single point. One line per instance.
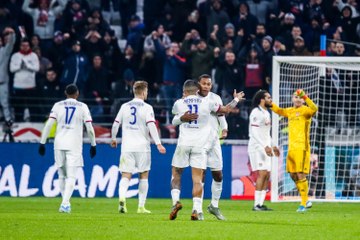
(333, 83)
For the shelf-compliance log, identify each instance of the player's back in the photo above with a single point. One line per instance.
(70, 116)
(195, 133)
(133, 117)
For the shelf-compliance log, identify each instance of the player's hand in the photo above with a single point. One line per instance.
(113, 143)
(41, 149)
(269, 151)
(92, 151)
(188, 117)
(276, 151)
(300, 93)
(161, 148)
(224, 134)
(239, 95)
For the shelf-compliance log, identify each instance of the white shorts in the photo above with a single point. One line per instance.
(259, 160)
(185, 156)
(68, 158)
(214, 156)
(135, 162)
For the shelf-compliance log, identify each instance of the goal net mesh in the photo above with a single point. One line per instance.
(335, 129)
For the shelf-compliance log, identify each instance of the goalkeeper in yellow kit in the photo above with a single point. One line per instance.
(298, 158)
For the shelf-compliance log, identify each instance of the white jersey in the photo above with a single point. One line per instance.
(133, 117)
(259, 129)
(195, 133)
(70, 116)
(214, 121)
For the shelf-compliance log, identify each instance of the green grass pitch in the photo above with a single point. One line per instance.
(37, 218)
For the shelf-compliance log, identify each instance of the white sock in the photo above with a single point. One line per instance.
(262, 197)
(61, 173)
(69, 188)
(216, 189)
(257, 197)
(175, 195)
(123, 187)
(202, 197)
(197, 204)
(143, 190)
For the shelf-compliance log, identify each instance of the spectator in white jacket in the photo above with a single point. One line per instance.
(44, 17)
(24, 64)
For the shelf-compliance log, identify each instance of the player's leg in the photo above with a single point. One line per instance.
(143, 162)
(255, 158)
(216, 190)
(196, 174)
(60, 158)
(264, 190)
(303, 187)
(126, 167)
(69, 187)
(176, 174)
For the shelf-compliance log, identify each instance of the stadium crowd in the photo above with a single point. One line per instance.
(48, 44)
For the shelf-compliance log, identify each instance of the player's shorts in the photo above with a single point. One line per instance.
(214, 156)
(68, 158)
(134, 162)
(298, 161)
(185, 156)
(259, 160)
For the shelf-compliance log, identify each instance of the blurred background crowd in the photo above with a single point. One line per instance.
(103, 46)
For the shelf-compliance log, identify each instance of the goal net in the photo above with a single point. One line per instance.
(333, 83)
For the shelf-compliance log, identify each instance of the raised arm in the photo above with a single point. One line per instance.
(280, 111)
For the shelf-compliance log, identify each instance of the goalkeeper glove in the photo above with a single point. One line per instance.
(92, 151)
(301, 93)
(41, 149)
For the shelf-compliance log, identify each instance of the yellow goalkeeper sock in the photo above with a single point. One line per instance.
(303, 188)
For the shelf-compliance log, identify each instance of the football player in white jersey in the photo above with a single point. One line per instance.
(193, 142)
(260, 147)
(70, 116)
(137, 120)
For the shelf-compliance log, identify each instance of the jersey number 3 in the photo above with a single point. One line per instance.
(69, 114)
(133, 113)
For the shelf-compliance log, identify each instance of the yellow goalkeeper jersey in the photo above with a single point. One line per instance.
(299, 120)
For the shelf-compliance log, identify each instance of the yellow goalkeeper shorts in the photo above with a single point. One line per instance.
(298, 161)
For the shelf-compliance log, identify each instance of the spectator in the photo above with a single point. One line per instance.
(260, 9)
(135, 36)
(254, 73)
(349, 24)
(44, 17)
(217, 16)
(300, 48)
(96, 22)
(24, 64)
(97, 90)
(158, 35)
(35, 41)
(75, 69)
(75, 16)
(245, 20)
(49, 90)
(279, 48)
(340, 50)
(268, 54)
(43, 61)
(93, 44)
(229, 33)
(112, 54)
(192, 22)
(7, 42)
(312, 36)
(58, 50)
(127, 9)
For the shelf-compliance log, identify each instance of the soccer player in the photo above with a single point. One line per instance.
(193, 114)
(260, 147)
(298, 158)
(70, 116)
(137, 120)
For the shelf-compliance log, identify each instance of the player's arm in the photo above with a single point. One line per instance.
(186, 117)
(238, 97)
(312, 106)
(45, 133)
(155, 136)
(91, 134)
(223, 126)
(115, 128)
(278, 110)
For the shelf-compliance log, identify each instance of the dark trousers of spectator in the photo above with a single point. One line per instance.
(126, 9)
(26, 98)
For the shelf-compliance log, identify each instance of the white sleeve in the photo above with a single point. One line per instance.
(45, 132)
(150, 115)
(91, 133)
(15, 63)
(116, 124)
(33, 64)
(255, 123)
(154, 133)
(222, 122)
(175, 110)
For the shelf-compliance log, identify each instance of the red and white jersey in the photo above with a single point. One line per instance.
(259, 128)
(195, 133)
(133, 117)
(70, 116)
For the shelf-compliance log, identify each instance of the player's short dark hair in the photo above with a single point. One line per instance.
(190, 85)
(203, 76)
(257, 98)
(139, 87)
(71, 89)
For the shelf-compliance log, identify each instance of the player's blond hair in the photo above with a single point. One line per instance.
(139, 87)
